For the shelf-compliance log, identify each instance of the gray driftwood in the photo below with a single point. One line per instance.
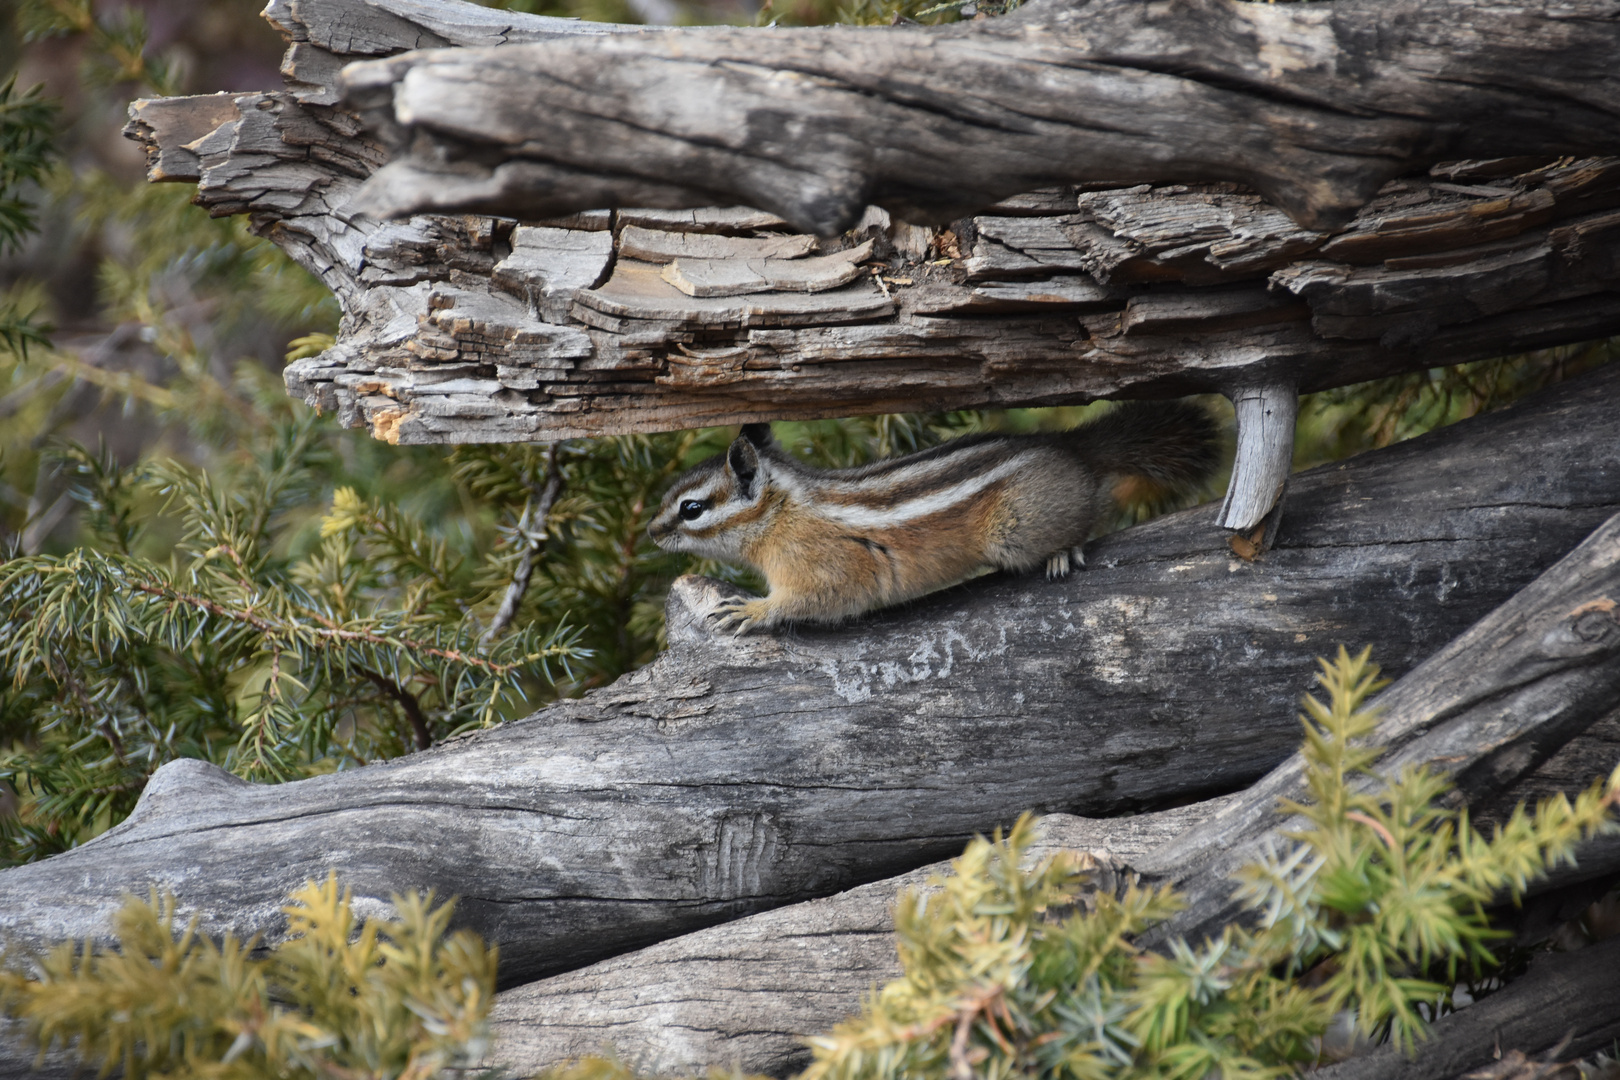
(1314, 108)
(750, 991)
(1519, 704)
(736, 775)
(471, 327)
(1488, 708)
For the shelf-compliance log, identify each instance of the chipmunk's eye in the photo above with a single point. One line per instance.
(692, 509)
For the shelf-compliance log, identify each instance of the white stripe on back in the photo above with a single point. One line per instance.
(918, 471)
(867, 517)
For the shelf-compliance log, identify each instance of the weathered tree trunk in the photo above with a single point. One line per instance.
(734, 775)
(1488, 708)
(463, 329)
(749, 992)
(1315, 108)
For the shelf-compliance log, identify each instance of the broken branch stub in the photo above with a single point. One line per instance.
(1266, 415)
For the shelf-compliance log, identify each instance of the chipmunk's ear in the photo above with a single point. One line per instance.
(758, 434)
(743, 461)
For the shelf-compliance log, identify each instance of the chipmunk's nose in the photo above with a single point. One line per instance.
(654, 531)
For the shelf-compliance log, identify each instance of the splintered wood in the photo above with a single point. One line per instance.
(476, 328)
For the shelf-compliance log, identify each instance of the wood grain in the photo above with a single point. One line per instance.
(750, 991)
(1315, 109)
(1487, 709)
(1497, 708)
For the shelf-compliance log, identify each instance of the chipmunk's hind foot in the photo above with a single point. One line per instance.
(1059, 563)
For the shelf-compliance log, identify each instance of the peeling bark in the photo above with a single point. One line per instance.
(476, 328)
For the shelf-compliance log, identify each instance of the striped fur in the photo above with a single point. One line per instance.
(835, 543)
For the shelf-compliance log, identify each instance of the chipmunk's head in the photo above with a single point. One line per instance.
(716, 506)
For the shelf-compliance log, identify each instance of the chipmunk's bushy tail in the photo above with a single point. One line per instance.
(1172, 446)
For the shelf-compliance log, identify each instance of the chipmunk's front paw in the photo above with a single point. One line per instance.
(1058, 564)
(738, 616)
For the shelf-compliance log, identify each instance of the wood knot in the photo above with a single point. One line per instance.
(1594, 620)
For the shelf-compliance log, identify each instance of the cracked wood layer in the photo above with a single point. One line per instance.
(734, 775)
(476, 328)
(1316, 108)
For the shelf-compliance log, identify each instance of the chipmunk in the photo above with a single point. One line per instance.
(835, 543)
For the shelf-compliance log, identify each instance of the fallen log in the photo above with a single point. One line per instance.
(735, 775)
(747, 993)
(1487, 709)
(1530, 714)
(1314, 108)
(476, 328)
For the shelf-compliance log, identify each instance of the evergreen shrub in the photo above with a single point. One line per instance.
(398, 999)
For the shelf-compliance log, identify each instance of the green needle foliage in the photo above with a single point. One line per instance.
(394, 1000)
(234, 649)
(1376, 907)
(117, 52)
(26, 123)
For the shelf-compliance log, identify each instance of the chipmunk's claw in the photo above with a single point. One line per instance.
(737, 616)
(1059, 563)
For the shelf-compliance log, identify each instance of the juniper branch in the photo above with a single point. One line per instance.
(532, 530)
(409, 704)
